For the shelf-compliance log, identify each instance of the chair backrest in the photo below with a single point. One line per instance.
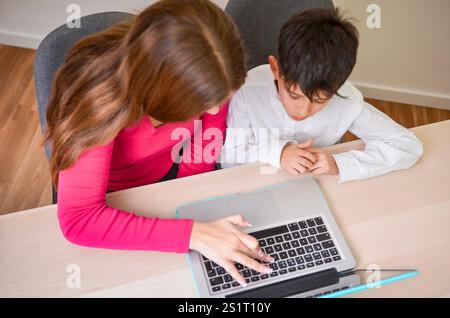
(53, 49)
(260, 22)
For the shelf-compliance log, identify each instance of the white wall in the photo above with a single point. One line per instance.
(25, 22)
(407, 60)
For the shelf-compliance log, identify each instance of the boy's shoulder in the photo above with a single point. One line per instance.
(349, 91)
(256, 87)
(259, 76)
(350, 97)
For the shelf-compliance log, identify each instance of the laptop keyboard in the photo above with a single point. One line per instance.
(295, 247)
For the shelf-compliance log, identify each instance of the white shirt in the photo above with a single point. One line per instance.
(256, 109)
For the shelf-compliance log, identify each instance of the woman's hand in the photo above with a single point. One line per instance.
(222, 242)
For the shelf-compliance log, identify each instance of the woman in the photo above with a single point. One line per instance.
(117, 100)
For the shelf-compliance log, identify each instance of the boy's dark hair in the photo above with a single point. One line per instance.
(317, 50)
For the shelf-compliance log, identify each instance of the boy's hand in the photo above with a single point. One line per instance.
(295, 159)
(325, 163)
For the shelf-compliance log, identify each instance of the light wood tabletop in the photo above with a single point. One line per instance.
(400, 220)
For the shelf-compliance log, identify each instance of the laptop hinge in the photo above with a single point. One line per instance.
(292, 286)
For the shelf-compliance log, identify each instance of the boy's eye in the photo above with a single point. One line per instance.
(295, 96)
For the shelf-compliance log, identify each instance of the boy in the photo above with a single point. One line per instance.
(301, 101)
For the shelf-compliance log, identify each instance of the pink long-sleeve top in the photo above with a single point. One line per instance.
(139, 155)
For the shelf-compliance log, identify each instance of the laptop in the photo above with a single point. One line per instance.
(294, 225)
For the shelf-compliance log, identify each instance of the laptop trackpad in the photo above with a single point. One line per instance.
(259, 208)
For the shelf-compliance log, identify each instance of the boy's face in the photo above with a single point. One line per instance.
(297, 105)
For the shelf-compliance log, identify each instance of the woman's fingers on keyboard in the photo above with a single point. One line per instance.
(251, 247)
(246, 260)
(257, 254)
(232, 270)
(248, 240)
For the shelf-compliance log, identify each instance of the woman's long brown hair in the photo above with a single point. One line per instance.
(174, 61)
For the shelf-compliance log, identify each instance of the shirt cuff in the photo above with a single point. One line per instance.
(348, 169)
(275, 158)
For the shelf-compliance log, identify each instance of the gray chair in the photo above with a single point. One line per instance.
(260, 22)
(52, 51)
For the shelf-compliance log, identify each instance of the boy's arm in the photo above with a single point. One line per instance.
(389, 147)
(241, 145)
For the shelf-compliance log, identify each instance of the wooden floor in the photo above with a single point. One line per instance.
(24, 174)
(407, 115)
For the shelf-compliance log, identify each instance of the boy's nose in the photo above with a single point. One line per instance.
(306, 111)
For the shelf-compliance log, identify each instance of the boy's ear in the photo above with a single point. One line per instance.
(273, 62)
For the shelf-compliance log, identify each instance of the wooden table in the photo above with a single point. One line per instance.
(398, 220)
